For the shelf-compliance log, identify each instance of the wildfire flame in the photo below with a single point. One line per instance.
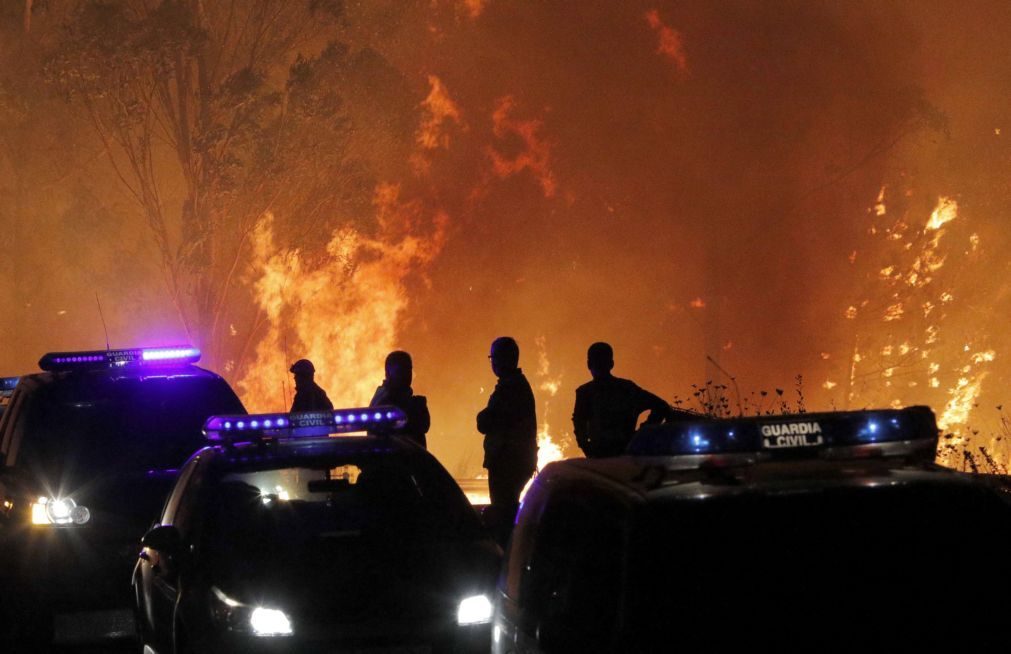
(342, 315)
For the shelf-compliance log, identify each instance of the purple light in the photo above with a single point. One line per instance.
(228, 424)
(281, 422)
(351, 418)
(170, 353)
(389, 415)
(378, 416)
(240, 424)
(338, 418)
(268, 423)
(365, 417)
(254, 424)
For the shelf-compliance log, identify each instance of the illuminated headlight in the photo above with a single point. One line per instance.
(59, 511)
(474, 610)
(269, 622)
(259, 621)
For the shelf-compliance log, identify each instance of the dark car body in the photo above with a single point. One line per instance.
(365, 543)
(109, 440)
(647, 553)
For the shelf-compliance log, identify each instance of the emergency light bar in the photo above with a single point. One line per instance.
(304, 424)
(7, 385)
(887, 432)
(97, 359)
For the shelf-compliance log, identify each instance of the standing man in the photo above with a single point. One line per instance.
(396, 391)
(308, 394)
(509, 425)
(608, 408)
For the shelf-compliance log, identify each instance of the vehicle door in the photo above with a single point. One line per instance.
(161, 570)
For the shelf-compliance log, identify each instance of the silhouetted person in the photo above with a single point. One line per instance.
(608, 408)
(509, 425)
(308, 394)
(396, 391)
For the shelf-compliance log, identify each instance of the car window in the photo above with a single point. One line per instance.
(572, 586)
(273, 514)
(80, 428)
(168, 516)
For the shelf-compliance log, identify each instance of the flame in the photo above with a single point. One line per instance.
(343, 313)
(438, 110)
(671, 43)
(945, 211)
(536, 155)
(548, 448)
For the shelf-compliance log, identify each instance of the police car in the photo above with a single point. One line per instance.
(90, 448)
(793, 532)
(297, 532)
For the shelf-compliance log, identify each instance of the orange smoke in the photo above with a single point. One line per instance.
(343, 314)
(535, 156)
(671, 44)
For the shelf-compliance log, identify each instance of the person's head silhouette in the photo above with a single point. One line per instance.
(304, 372)
(600, 360)
(505, 355)
(399, 369)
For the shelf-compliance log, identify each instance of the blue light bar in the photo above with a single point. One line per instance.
(7, 385)
(97, 359)
(303, 425)
(811, 435)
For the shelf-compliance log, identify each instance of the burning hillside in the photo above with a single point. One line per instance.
(755, 190)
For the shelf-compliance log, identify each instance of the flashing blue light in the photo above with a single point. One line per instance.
(171, 354)
(806, 435)
(304, 424)
(7, 384)
(175, 355)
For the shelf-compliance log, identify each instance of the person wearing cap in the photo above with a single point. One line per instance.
(608, 407)
(308, 394)
(509, 425)
(396, 391)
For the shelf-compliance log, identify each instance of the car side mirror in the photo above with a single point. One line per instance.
(164, 539)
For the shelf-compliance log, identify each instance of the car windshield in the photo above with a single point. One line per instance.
(96, 424)
(310, 513)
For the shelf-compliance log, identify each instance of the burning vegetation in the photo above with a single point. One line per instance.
(790, 205)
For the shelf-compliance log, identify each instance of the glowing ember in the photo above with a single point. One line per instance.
(944, 213)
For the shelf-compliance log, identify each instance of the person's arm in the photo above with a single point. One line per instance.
(499, 414)
(580, 419)
(420, 421)
(659, 410)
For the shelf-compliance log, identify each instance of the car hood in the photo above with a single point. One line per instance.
(365, 579)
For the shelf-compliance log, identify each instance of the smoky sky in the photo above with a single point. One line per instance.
(697, 196)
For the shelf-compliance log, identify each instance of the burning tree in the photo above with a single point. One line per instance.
(195, 105)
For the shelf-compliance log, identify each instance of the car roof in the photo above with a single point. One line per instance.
(652, 479)
(113, 374)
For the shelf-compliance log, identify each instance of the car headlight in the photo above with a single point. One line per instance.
(269, 622)
(258, 621)
(475, 609)
(59, 511)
